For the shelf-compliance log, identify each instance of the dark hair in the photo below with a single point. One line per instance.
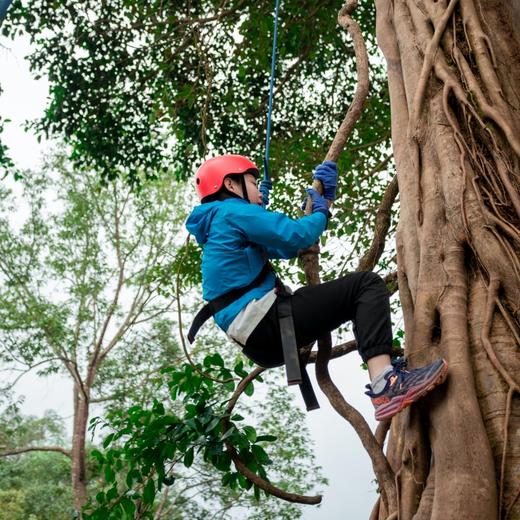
(224, 193)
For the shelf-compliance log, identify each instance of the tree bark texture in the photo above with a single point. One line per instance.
(78, 453)
(454, 80)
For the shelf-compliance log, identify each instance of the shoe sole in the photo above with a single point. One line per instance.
(401, 402)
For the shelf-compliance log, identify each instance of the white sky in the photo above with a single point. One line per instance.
(352, 492)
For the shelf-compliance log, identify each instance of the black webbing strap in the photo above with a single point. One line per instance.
(295, 374)
(223, 301)
(290, 348)
(309, 397)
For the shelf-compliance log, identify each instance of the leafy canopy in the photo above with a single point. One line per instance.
(141, 86)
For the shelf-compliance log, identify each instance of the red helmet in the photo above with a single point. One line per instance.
(210, 176)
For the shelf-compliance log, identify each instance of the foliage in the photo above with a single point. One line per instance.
(78, 269)
(34, 486)
(146, 85)
(17, 430)
(146, 446)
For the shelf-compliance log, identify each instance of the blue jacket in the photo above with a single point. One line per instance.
(237, 239)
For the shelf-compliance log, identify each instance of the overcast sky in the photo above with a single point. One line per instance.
(352, 491)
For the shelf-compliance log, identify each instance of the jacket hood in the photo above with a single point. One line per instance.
(200, 219)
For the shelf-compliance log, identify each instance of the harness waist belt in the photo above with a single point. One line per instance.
(216, 305)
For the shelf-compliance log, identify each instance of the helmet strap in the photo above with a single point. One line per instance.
(244, 188)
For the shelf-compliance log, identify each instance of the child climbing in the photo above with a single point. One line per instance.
(247, 301)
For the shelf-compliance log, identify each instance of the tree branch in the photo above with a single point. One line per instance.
(382, 224)
(380, 464)
(27, 449)
(242, 468)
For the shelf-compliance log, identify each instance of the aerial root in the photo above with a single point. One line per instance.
(382, 469)
(429, 60)
(382, 430)
(382, 224)
(492, 297)
(511, 505)
(508, 320)
(493, 288)
(504, 450)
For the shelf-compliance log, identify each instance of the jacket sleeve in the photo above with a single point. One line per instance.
(279, 234)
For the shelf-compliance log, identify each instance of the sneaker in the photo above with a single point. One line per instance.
(404, 387)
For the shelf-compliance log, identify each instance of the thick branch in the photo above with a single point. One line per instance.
(266, 486)
(356, 108)
(382, 469)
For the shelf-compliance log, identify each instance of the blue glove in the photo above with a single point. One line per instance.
(327, 173)
(265, 188)
(319, 204)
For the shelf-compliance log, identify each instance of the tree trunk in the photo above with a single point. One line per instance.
(454, 72)
(78, 454)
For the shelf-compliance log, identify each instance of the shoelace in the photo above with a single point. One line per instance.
(399, 364)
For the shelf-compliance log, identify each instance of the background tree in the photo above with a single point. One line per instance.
(35, 485)
(77, 291)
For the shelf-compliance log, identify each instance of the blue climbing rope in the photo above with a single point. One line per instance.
(271, 86)
(4, 6)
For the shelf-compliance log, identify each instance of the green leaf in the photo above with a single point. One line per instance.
(217, 360)
(250, 433)
(266, 438)
(239, 369)
(260, 454)
(98, 456)
(188, 458)
(112, 493)
(256, 492)
(168, 481)
(108, 440)
(226, 478)
(149, 492)
(128, 506)
(213, 424)
(249, 389)
(110, 475)
(132, 477)
(228, 433)
(242, 481)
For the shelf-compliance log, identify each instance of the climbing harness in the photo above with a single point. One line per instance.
(294, 365)
(270, 103)
(4, 6)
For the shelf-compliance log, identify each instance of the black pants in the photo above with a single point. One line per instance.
(358, 297)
